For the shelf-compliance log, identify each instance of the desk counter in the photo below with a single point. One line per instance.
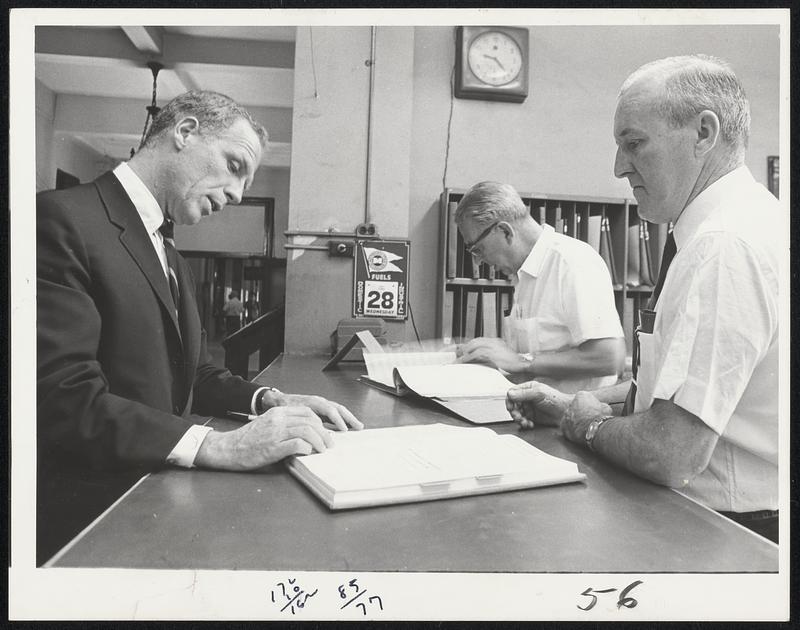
(612, 522)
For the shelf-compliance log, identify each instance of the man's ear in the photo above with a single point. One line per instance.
(507, 229)
(707, 132)
(185, 128)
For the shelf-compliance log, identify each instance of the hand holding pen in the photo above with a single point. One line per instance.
(327, 410)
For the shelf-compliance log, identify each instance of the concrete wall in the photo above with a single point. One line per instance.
(558, 141)
(328, 188)
(78, 159)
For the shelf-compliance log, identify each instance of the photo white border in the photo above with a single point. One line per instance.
(161, 594)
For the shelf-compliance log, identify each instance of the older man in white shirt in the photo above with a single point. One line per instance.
(702, 412)
(563, 328)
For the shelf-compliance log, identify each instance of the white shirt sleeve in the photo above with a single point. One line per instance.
(187, 447)
(719, 316)
(588, 300)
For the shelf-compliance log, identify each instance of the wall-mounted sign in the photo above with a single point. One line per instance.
(380, 279)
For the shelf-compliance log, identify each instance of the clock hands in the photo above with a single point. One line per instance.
(496, 60)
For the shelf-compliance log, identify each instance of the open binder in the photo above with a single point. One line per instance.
(423, 463)
(476, 393)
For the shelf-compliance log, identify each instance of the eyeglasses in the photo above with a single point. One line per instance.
(471, 246)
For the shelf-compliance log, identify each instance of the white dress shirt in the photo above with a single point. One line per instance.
(185, 451)
(714, 347)
(563, 297)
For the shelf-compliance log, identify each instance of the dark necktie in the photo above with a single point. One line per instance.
(666, 260)
(646, 320)
(167, 231)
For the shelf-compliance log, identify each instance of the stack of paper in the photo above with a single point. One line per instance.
(423, 463)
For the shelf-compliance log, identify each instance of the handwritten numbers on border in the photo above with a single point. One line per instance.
(356, 593)
(623, 601)
(295, 596)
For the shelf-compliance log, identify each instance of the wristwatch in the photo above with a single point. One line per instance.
(267, 389)
(527, 362)
(592, 429)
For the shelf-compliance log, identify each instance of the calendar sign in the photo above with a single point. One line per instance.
(380, 280)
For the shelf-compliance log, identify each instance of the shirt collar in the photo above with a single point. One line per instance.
(701, 207)
(533, 263)
(146, 205)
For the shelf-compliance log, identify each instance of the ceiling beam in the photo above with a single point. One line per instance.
(76, 41)
(85, 60)
(186, 80)
(137, 45)
(79, 114)
(147, 39)
(118, 146)
(228, 52)
(175, 82)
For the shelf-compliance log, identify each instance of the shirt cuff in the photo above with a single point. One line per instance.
(187, 447)
(254, 401)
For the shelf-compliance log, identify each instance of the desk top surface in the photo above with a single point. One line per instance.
(266, 520)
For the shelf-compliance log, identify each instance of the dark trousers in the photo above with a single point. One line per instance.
(232, 324)
(763, 522)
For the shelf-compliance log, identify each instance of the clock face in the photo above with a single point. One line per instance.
(495, 58)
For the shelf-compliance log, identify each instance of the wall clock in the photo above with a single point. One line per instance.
(492, 63)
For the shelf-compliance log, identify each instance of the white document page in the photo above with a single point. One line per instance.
(478, 410)
(381, 365)
(457, 380)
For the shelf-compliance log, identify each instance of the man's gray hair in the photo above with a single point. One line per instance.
(693, 83)
(487, 202)
(214, 111)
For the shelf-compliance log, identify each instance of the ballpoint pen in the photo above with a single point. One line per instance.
(238, 415)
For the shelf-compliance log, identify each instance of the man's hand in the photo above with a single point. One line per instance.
(338, 415)
(490, 350)
(579, 416)
(272, 436)
(536, 402)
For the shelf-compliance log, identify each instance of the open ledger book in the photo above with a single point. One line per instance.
(475, 392)
(423, 463)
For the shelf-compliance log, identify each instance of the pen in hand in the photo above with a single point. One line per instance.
(242, 417)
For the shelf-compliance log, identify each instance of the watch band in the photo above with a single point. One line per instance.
(592, 429)
(270, 389)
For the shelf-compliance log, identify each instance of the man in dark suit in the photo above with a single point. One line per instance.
(125, 384)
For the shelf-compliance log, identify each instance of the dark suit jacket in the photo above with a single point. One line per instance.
(118, 381)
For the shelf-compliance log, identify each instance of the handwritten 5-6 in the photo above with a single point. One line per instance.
(624, 600)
